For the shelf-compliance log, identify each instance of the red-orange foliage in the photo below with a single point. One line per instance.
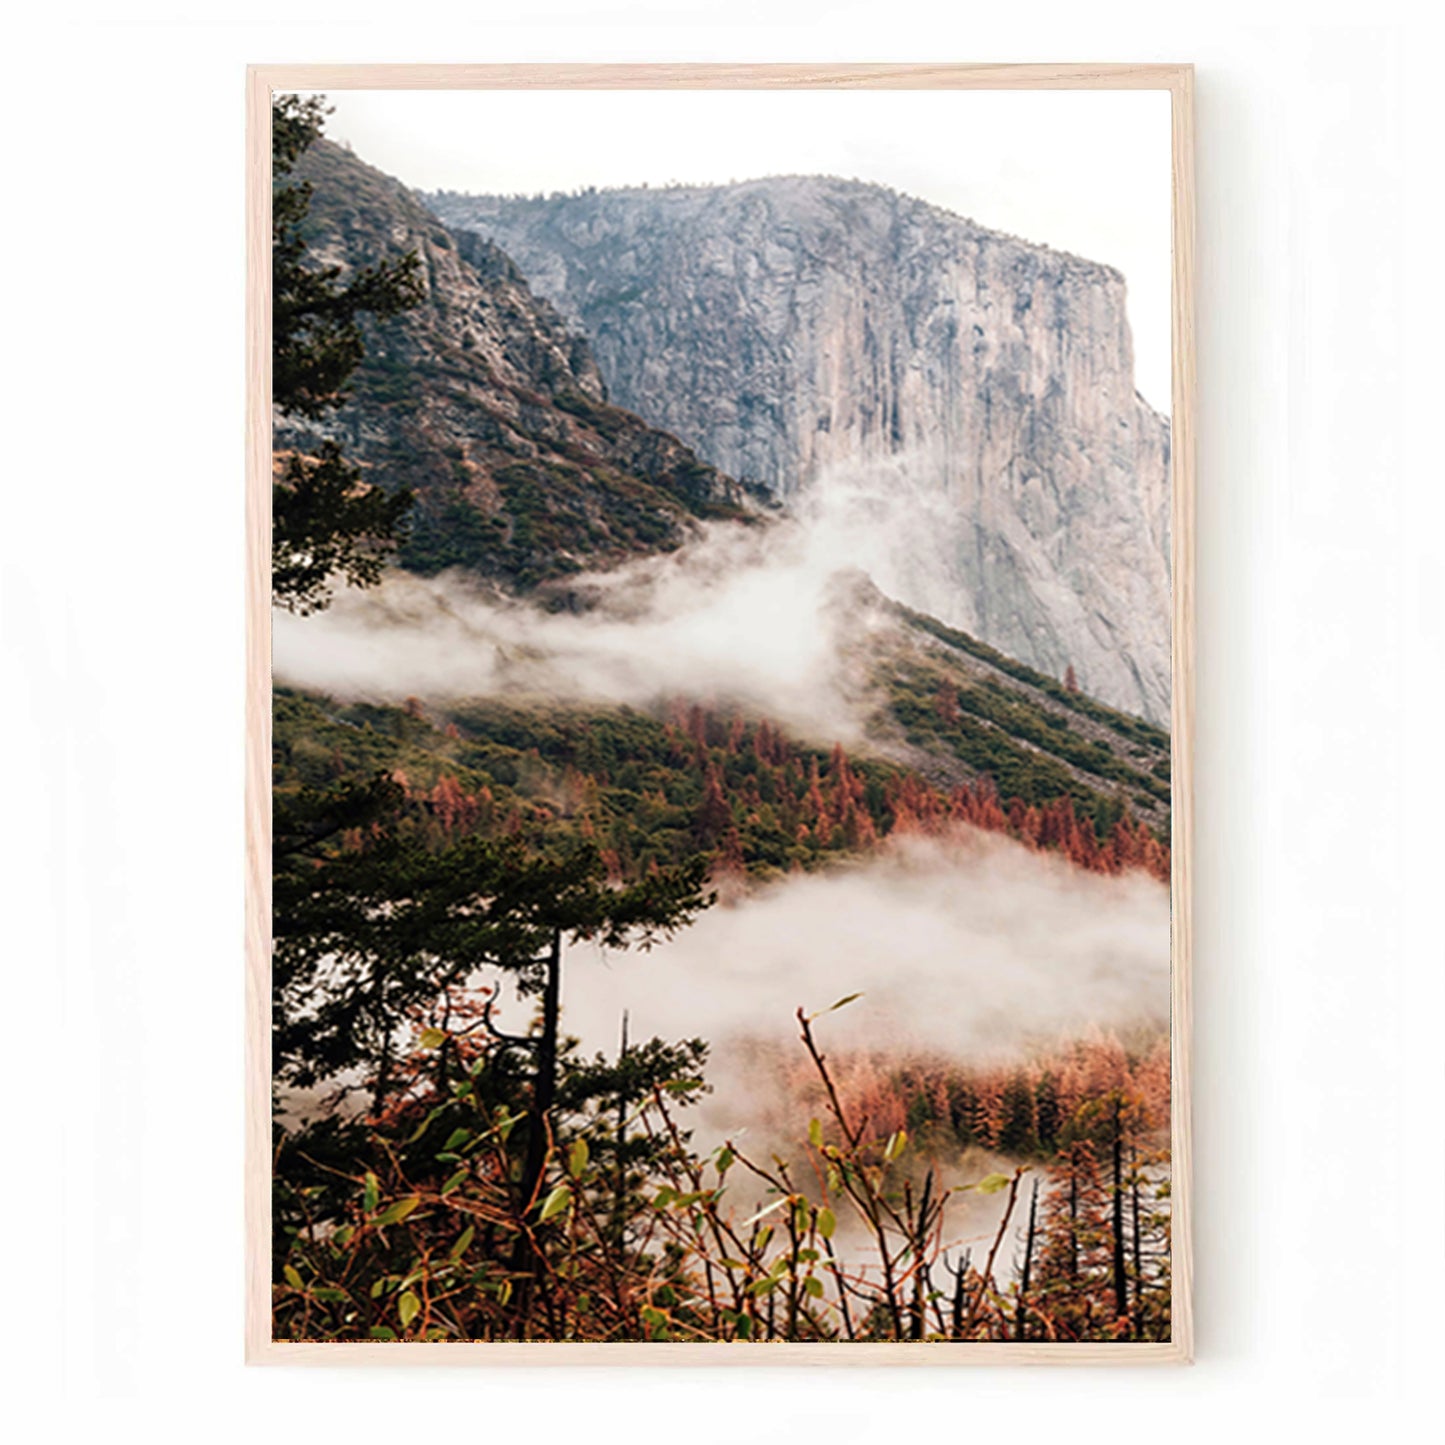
(920, 808)
(753, 777)
(714, 816)
(1026, 1107)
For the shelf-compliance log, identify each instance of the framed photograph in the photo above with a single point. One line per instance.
(720, 684)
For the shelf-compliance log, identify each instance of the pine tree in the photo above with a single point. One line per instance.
(325, 520)
(1046, 1112)
(1017, 1131)
(714, 816)
(1073, 1271)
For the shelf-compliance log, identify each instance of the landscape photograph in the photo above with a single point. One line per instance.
(721, 710)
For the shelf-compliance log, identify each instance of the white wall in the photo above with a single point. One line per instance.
(1319, 1169)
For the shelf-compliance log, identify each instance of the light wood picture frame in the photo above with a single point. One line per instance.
(265, 81)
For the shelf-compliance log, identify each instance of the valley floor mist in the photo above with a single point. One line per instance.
(721, 840)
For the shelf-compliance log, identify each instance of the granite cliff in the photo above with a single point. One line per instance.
(961, 403)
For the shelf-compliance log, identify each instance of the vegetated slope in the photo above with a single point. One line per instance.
(964, 711)
(658, 788)
(798, 328)
(485, 404)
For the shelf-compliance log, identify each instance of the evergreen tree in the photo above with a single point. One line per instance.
(324, 519)
(366, 935)
(1046, 1112)
(1017, 1134)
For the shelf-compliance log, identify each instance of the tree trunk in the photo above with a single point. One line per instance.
(544, 1080)
(1020, 1319)
(958, 1297)
(619, 1206)
(1121, 1280)
(544, 1095)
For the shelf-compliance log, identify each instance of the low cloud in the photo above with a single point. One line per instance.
(971, 953)
(772, 618)
(974, 950)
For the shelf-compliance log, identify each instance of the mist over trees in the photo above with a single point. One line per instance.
(440, 1175)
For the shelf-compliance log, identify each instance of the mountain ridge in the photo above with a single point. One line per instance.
(444, 195)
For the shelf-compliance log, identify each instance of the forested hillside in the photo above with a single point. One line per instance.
(461, 1149)
(484, 404)
(655, 790)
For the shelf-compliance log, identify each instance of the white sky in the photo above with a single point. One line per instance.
(1082, 171)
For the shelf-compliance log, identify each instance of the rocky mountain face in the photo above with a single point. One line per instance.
(490, 407)
(959, 403)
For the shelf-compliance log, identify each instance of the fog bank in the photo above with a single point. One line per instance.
(768, 617)
(974, 952)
